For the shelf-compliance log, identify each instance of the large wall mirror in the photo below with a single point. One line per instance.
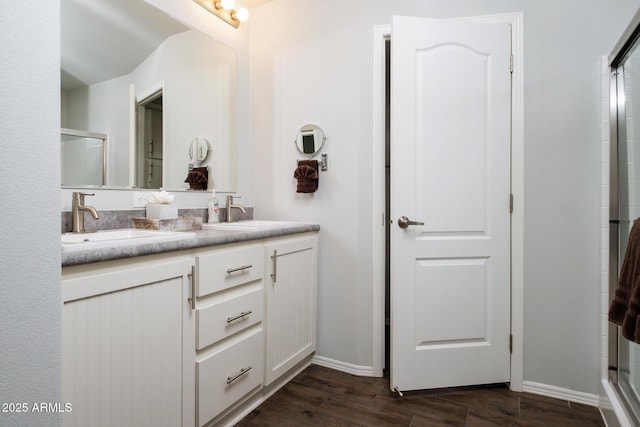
(152, 85)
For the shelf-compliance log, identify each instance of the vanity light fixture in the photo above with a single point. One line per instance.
(224, 10)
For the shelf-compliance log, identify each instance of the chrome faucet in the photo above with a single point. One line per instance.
(230, 206)
(77, 211)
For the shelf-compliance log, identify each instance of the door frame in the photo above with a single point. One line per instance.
(381, 33)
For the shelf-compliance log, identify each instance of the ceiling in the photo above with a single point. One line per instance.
(91, 30)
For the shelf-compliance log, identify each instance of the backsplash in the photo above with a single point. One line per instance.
(110, 220)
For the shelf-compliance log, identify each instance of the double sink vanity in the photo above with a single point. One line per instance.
(185, 328)
(166, 328)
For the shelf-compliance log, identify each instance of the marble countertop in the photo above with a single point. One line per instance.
(203, 238)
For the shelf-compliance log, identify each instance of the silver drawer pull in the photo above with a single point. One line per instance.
(192, 280)
(241, 268)
(239, 316)
(274, 258)
(238, 375)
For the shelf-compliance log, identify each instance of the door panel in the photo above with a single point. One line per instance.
(451, 283)
(460, 164)
(450, 168)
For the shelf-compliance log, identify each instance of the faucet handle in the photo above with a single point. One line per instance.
(78, 196)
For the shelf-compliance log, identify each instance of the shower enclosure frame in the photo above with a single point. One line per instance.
(94, 136)
(629, 40)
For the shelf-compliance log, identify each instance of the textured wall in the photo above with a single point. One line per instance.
(30, 366)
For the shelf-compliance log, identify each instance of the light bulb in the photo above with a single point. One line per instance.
(242, 14)
(227, 4)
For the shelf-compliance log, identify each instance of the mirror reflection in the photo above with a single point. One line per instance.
(149, 137)
(310, 139)
(198, 150)
(83, 158)
(151, 85)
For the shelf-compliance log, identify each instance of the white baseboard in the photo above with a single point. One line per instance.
(362, 371)
(561, 393)
(527, 386)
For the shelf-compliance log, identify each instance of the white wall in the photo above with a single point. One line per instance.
(30, 315)
(311, 64)
(563, 164)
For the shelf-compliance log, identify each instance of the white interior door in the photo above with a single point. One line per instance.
(450, 168)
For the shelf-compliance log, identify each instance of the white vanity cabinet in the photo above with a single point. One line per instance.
(196, 337)
(290, 287)
(256, 320)
(229, 329)
(127, 331)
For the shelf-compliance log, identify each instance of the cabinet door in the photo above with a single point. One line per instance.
(290, 320)
(123, 360)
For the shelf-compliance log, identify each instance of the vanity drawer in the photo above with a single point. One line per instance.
(229, 374)
(224, 268)
(225, 317)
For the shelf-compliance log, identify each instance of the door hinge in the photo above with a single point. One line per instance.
(510, 343)
(510, 203)
(511, 63)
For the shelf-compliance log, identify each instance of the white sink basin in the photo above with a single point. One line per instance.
(254, 224)
(120, 237)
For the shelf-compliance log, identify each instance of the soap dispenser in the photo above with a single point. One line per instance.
(214, 208)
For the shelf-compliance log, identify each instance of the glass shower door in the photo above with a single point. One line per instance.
(627, 115)
(83, 158)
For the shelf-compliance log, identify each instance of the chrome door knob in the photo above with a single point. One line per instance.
(404, 222)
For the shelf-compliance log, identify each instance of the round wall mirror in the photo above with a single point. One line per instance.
(198, 150)
(310, 139)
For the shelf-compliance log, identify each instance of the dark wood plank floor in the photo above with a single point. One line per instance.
(324, 397)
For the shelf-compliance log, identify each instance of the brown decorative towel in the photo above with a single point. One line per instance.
(197, 178)
(625, 306)
(307, 175)
(312, 163)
